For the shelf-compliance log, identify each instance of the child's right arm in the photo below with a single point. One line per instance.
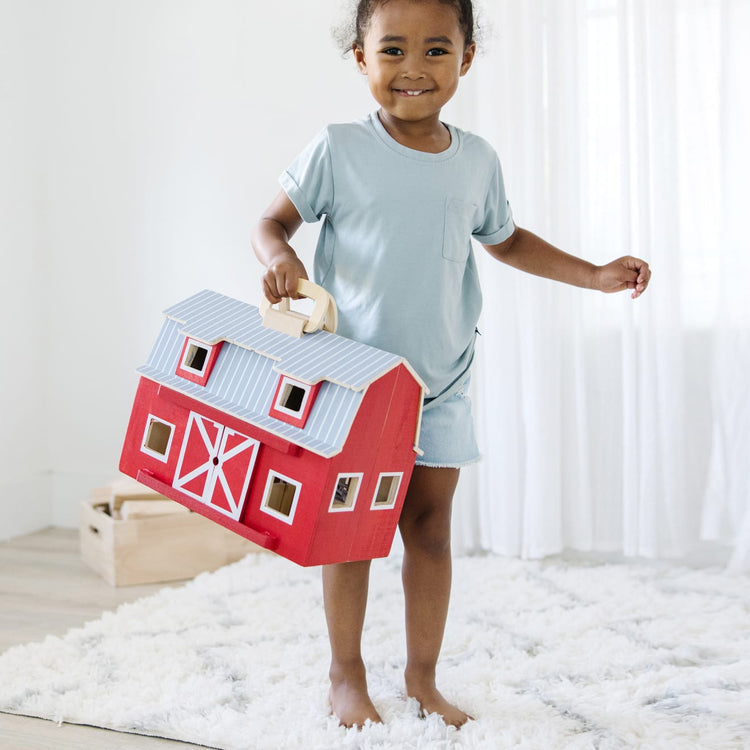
(270, 240)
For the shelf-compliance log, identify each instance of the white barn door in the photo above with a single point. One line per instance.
(215, 465)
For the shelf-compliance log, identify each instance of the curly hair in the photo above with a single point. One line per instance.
(354, 33)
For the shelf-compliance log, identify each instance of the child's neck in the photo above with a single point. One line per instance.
(431, 136)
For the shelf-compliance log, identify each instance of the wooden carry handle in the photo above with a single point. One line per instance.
(286, 320)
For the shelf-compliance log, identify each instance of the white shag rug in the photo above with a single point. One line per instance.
(545, 655)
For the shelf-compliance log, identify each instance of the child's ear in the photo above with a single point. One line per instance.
(468, 58)
(359, 58)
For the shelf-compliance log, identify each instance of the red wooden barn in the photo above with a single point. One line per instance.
(302, 445)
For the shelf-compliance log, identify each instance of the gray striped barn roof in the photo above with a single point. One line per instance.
(211, 317)
(244, 378)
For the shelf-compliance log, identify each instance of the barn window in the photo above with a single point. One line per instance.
(292, 397)
(293, 401)
(197, 360)
(345, 493)
(386, 492)
(280, 497)
(196, 357)
(157, 438)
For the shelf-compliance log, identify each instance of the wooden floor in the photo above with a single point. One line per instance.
(45, 589)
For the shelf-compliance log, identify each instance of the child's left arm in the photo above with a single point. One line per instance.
(527, 252)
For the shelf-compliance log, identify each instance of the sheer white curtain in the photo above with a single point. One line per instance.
(607, 423)
(726, 514)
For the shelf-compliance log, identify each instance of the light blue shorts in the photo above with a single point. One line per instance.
(447, 433)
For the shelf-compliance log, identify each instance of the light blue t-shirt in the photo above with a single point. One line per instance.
(395, 247)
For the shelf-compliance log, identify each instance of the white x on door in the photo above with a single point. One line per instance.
(215, 465)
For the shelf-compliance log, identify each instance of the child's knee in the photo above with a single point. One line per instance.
(428, 533)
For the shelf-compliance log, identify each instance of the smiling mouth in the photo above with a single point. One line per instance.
(411, 92)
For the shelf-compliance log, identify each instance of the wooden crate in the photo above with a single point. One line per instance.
(152, 548)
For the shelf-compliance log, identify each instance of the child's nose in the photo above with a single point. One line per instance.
(412, 67)
(412, 72)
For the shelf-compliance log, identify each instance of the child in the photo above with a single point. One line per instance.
(402, 194)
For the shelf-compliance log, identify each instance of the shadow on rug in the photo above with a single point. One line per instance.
(546, 655)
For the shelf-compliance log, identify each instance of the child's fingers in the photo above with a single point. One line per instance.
(281, 281)
(641, 275)
(644, 277)
(270, 292)
(275, 282)
(291, 282)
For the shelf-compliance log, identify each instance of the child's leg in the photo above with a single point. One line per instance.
(425, 526)
(345, 597)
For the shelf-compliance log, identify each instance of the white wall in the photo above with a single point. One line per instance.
(24, 459)
(139, 142)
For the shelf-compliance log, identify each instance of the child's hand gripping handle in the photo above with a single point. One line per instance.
(286, 320)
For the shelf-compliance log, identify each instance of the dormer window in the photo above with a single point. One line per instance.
(196, 357)
(293, 401)
(197, 360)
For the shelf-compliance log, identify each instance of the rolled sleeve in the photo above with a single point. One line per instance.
(501, 234)
(308, 181)
(496, 223)
(297, 196)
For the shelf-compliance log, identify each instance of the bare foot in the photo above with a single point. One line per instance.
(350, 703)
(431, 701)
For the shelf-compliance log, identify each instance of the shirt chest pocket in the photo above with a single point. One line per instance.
(459, 222)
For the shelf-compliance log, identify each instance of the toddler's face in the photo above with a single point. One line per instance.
(413, 57)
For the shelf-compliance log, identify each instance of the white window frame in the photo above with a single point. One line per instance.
(267, 494)
(200, 345)
(286, 381)
(394, 491)
(349, 506)
(164, 458)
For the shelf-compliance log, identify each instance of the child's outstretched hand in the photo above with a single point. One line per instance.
(624, 273)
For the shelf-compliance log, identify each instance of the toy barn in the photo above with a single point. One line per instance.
(302, 443)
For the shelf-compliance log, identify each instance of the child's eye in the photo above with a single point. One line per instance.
(392, 51)
(436, 51)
